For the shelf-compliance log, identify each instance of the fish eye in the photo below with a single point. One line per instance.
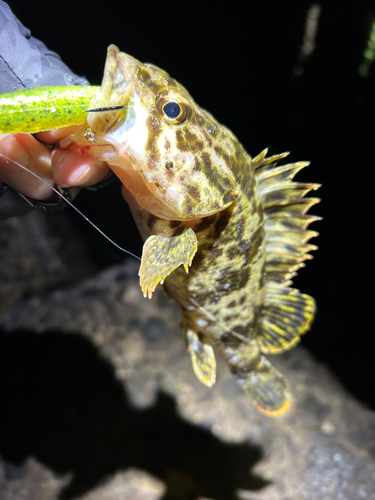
(172, 110)
(173, 107)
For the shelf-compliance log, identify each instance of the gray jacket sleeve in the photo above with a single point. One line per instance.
(25, 62)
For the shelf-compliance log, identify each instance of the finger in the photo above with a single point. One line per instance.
(71, 169)
(24, 149)
(55, 135)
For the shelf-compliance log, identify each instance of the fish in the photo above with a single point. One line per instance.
(225, 233)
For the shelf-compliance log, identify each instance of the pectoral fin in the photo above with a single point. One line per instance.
(161, 256)
(202, 357)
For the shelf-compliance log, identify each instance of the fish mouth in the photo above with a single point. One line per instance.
(118, 81)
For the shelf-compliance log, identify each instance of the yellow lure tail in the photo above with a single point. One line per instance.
(29, 111)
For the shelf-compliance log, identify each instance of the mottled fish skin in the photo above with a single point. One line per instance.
(222, 294)
(192, 172)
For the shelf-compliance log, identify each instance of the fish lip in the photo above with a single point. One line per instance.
(116, 89)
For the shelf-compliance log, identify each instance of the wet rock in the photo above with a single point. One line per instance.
(39, 253)
(99, 401)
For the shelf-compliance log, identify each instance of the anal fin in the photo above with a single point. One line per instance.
(287, 314)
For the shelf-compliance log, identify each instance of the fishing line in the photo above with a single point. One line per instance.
(194, 302)
(71, 205)
(215, 321)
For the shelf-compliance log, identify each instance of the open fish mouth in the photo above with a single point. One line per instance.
(118, 81)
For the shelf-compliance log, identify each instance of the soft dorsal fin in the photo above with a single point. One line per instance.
(286, 313)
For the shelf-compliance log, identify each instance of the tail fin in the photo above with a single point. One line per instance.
(268, 388)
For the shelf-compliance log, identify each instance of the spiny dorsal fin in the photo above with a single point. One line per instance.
(286, 313)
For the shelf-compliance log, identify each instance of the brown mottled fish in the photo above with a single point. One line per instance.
(224, 232)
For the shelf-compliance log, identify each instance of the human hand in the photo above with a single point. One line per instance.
(26, 62)
(55, 167)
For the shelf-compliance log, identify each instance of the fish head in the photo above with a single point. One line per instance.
(162, 145)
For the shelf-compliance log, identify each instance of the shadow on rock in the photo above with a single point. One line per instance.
(62, 404)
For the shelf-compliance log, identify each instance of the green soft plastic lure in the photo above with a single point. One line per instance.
(29, 111)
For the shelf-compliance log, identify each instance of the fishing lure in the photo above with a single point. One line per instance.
(44, 108)
(225, 233)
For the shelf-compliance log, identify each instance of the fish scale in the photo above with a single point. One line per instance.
(224, 233)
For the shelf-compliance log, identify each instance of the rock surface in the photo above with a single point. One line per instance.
(99, 401)
(39, 253)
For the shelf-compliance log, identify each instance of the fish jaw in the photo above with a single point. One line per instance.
(117, 85)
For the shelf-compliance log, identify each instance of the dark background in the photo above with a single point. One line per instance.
(239, 62)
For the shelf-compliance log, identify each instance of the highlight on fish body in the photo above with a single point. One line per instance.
(224, 233)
